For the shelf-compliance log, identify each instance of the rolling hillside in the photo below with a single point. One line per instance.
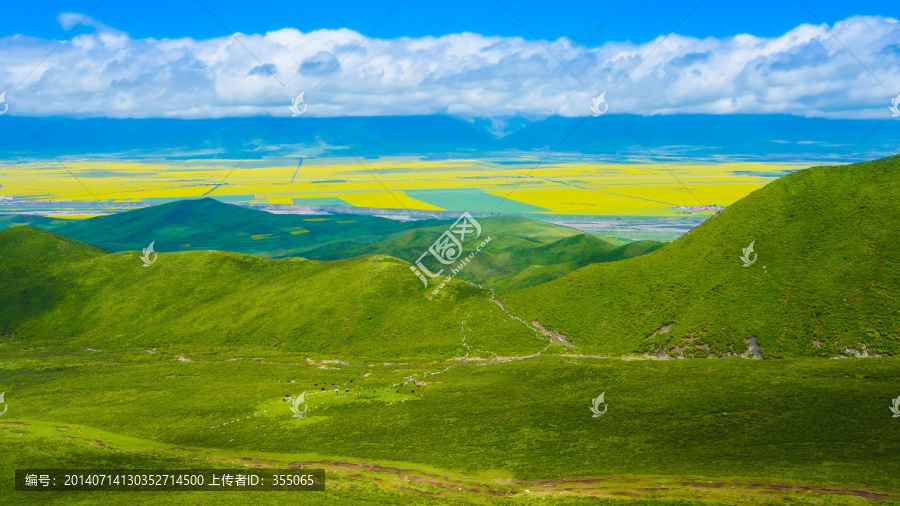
(204, 224)
(825, 281)
(54, 288)
(523, 251)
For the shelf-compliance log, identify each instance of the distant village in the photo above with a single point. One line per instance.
(698, 209)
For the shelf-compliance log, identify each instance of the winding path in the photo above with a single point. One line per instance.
(555, 337)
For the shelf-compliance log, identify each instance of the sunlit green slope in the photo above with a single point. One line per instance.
(825, 279)
(55, 288)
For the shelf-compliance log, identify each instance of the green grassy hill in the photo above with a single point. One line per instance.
(522, 252)
(826, 277)
(13, 220)
(204, 224)
(54, 288)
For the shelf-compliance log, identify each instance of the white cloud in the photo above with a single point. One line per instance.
(106, 73)
(69, 20)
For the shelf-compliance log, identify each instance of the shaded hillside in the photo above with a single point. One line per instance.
(522, 252)
(204, 224)
(825, 279)
(372, 307)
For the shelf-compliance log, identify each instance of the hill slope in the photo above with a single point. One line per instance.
(209, 224)
(522, 252)
(55, 288)
(825, 280)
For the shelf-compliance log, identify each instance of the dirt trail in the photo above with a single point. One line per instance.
(555, 337)
(656, 487)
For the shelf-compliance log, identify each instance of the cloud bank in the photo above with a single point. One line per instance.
(849, 70)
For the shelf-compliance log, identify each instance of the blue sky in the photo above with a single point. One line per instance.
(464, 58)
(588, 22)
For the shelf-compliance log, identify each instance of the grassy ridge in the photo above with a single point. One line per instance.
(57, 288)
(204, 224)
(824, 281)
(523, 252)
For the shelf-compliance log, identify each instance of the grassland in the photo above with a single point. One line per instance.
(729, 430)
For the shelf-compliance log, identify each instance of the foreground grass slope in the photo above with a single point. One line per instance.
(826, 278)
(728, 431)
(56, 288)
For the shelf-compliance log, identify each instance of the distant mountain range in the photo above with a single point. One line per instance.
(612, 137)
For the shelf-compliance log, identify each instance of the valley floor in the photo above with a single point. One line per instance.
(718, 431)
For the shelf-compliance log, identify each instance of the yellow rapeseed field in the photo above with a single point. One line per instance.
(647, 188)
